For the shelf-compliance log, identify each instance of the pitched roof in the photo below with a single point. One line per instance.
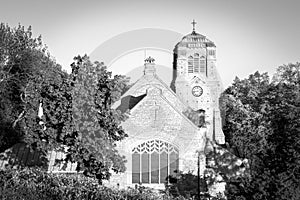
(21, 155)
(129, 99)
(128, 102)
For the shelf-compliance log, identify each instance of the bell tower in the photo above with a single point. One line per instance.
(196, 80)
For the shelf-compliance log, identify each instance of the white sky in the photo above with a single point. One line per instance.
(249, 35)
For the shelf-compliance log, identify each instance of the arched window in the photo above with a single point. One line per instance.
(190, 64)
(153, 161)
(196, 63)
(202, 65)
(211, 52)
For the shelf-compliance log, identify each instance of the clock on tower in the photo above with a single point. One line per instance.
(197, 91)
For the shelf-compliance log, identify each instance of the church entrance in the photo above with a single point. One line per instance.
(153, 161)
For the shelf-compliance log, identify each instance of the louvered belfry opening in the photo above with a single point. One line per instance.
(153, 161)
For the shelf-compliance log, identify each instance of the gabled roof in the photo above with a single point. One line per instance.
(130, 99)
(144, 80)
(163, 98)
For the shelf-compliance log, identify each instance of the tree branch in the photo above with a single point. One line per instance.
(20, 117)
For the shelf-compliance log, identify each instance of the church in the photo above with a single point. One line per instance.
(163, 138)
(170, 128)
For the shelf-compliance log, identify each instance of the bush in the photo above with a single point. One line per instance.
(36, 184)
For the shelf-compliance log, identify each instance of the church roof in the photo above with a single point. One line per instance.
(128, 102)
(131, 99)
(20, 155)
(194, 34)
(168, 102)
(195, 37)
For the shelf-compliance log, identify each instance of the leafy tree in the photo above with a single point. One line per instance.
(24, 68)
(76, 117)
(95, 125)
(243, 106)
(288, 74)
(262, 125)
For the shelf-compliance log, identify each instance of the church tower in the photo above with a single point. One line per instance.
(196, 80)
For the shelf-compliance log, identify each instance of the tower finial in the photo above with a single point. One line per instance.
(194, 23)
(149, 60)
(149, 69)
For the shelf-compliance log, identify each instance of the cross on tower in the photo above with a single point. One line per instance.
(194, 23)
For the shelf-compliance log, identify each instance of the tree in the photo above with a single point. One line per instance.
(262, 125)
(77, 117)
(243, 116)
(95, 125)
(25, 66)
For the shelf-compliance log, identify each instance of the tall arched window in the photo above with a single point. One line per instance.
(153, 161)
(190, 64)
(202, 65)
(196, 63)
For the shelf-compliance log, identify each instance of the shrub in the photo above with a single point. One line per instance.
(35, 184)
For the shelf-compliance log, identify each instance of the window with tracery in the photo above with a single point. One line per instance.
(190, 64)
(202, 65)
(153, 161)
(196, 63)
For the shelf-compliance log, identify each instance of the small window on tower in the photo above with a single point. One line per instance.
(196, 63)
(211, 52)
(190, 64)
(202, 65)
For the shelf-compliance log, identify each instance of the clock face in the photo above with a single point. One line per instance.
(197, 91)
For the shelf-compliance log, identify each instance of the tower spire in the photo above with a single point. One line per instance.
(194, 24)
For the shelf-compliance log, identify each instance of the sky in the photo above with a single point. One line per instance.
(256, 35)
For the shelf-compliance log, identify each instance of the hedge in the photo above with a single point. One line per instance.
(36, 184)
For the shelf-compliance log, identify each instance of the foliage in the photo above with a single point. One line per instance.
(48, 109)
(262, 125)
(184, 185)
(25, 67)
(36, 184)
(96, 126)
